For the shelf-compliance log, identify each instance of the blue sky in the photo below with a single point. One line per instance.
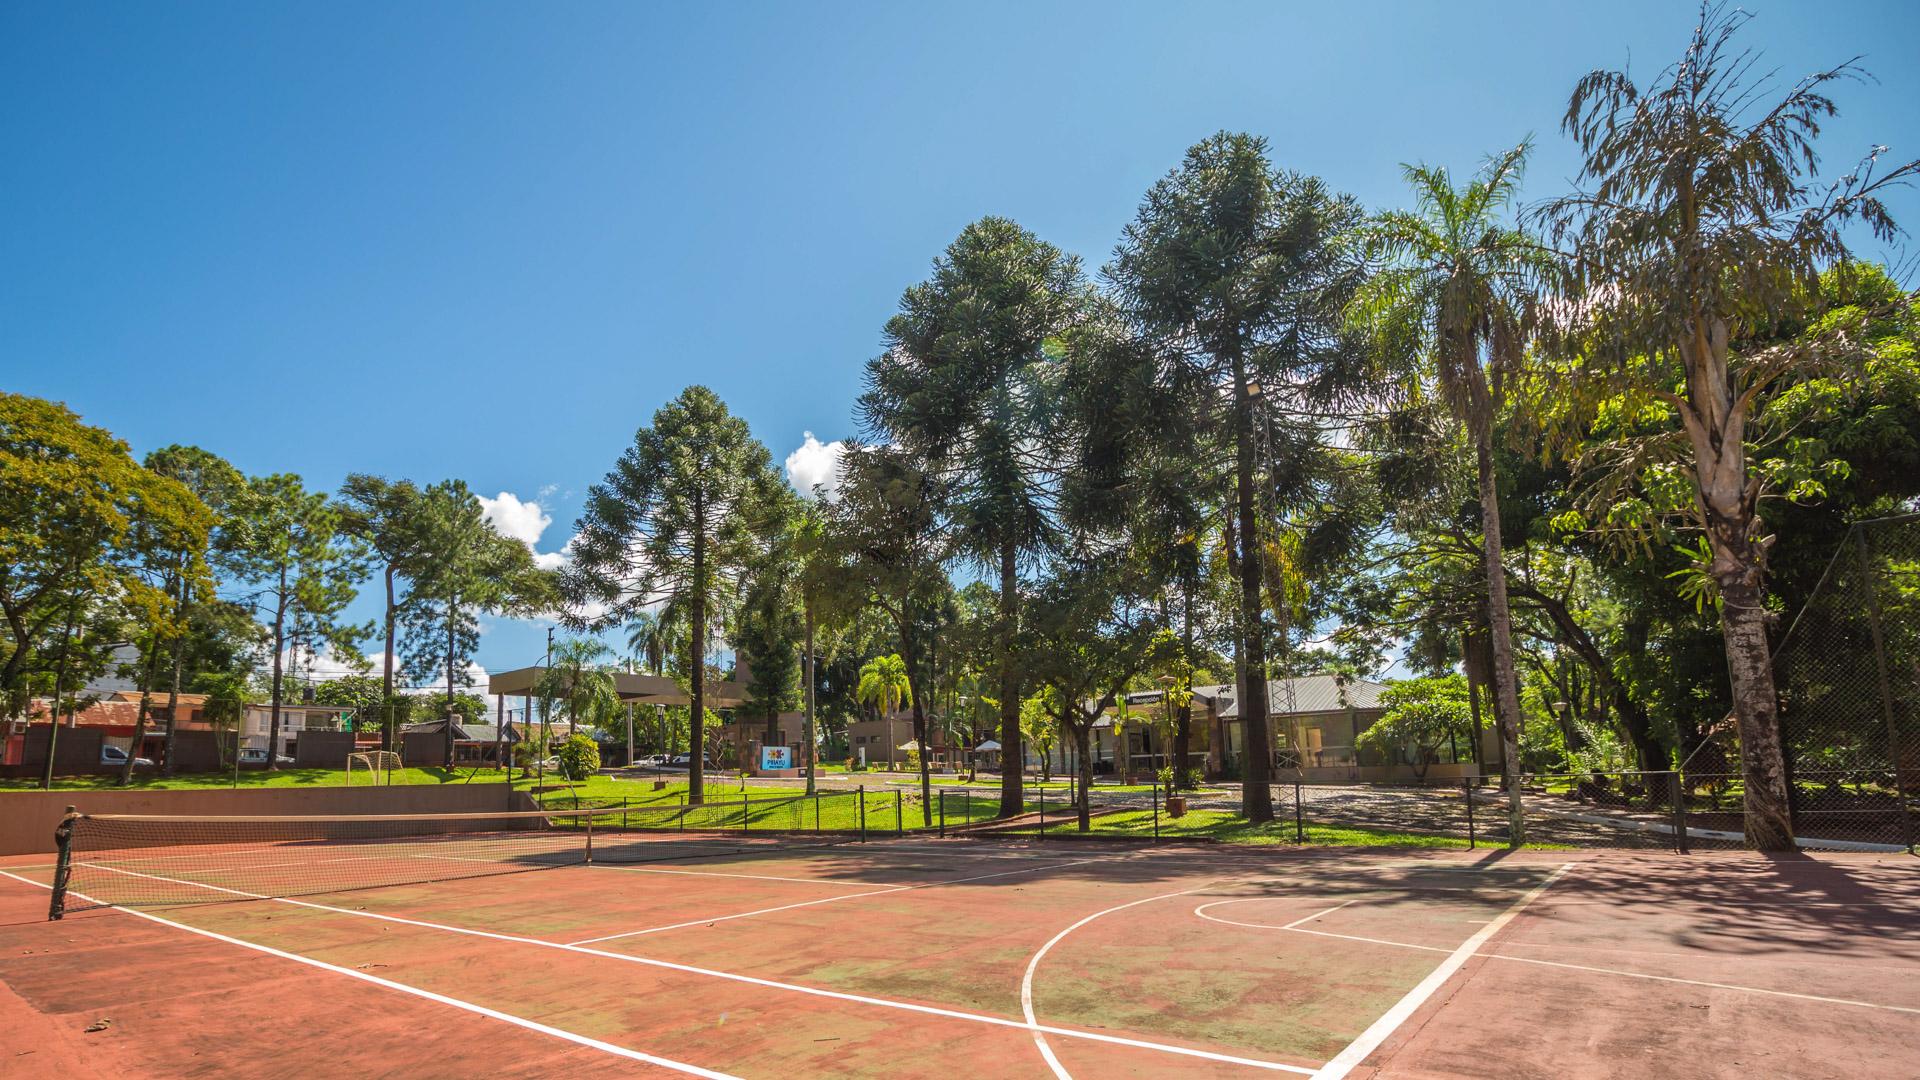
(488, 240)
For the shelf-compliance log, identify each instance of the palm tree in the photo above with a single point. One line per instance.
(578, 680)
(1700, 229)
(1455, 292)
(883, 685)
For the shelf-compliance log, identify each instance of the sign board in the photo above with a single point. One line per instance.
(776, 757)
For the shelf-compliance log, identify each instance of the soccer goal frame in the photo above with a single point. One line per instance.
(374, 762)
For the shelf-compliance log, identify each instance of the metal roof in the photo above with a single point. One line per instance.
(1306, 694)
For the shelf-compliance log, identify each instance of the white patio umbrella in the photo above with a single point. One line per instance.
(987, 747)
(910, 744)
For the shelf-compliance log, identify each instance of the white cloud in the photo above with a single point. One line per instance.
(816, 465)
(525, 521)
(509, 516)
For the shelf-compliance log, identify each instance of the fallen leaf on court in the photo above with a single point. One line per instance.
(101, 1024)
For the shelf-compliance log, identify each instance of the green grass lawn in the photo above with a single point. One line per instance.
(1230, 828)
(251, 778)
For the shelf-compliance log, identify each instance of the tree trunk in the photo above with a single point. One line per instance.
(1506, 694)
(140, 717)
(1012, 754)
(1715, 422)
(173, 694)
(910, 644)
(59, 691)
(173, 698)
(1083, 745)
(279, 643)
(697, 707)
(1769, 822)
(386, 676)
(807, 728)
(1256, 797)
(1183, 731)
(448, 742)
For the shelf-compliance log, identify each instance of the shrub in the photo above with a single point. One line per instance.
(579, 757)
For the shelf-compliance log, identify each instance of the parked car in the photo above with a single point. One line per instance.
(113, 755)
(257, 755)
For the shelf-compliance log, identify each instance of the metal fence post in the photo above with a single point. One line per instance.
(1043, 810)
(816, 812)
(1156, 808)
(1679, 789)
(863, 813)
(682, 800)
(1299, 819)
(745, 814)
(943, 813)
(899, 814)
(1466, 788)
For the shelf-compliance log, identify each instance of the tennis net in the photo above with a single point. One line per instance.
(125, 860)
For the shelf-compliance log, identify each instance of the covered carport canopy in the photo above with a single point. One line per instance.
(632, 687)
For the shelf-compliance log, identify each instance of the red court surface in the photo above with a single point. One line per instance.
(971, 958)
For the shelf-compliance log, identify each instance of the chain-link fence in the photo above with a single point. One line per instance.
(1847, 669)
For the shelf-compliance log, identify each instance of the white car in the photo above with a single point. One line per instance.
(113, 755)
(255, 755)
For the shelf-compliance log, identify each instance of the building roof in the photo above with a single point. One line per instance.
(464, 732)
(1306, 694)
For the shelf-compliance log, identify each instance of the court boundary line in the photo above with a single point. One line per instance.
(1381, 1029)
(415, 991)
(1822, 999)
(752, 980)
(1026, 982)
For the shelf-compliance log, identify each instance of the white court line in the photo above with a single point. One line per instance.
(1377, 1033)
(1026, 985)
(415, 991)
(751, 980)
(826, 900)
(1296, 922)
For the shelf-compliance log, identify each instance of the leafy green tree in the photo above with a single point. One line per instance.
(386, 516)
(1699, 230)
(673, 523)
(285, 543)
(364, 694)
(467, 570)
(1455, 294)
(88, 538)
(579, 757)
(209, 630)
(1422, 715)
(964, 390)
(1237, 276)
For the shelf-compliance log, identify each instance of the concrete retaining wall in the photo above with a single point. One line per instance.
(28, 818)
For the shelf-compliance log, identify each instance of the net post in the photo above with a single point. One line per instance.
(1679, 789)
(1466, 789)
(589, 820)
(1299, 816)
(863, 813)
(63, 864)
